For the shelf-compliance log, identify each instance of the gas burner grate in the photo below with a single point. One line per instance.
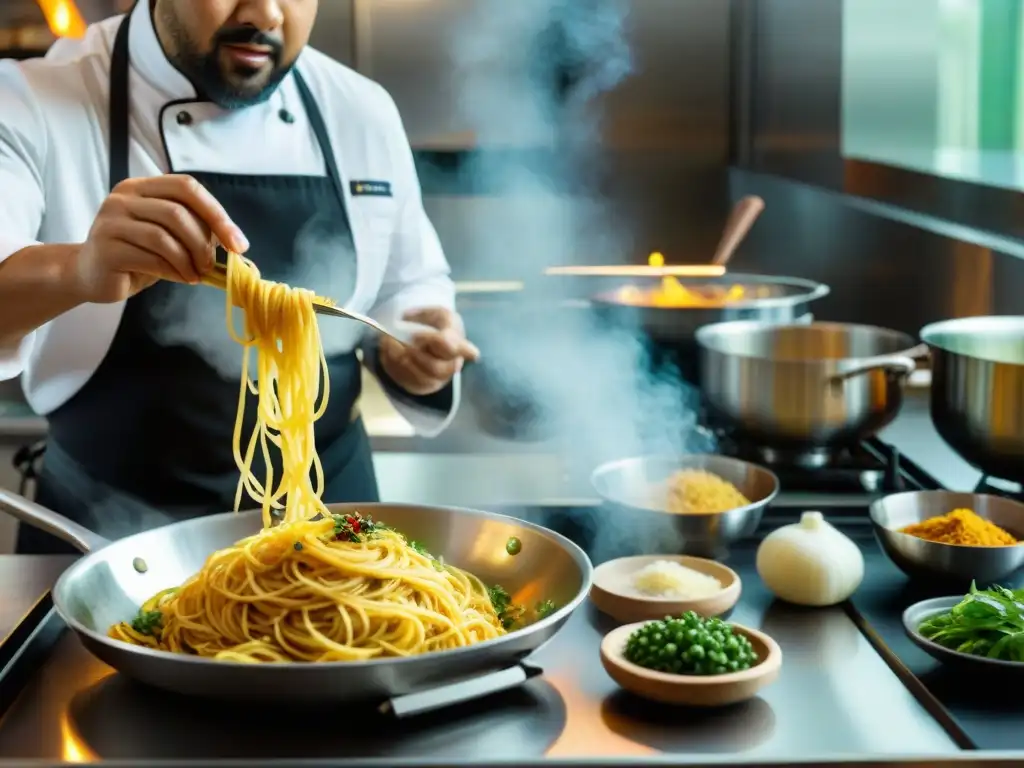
(855, 469)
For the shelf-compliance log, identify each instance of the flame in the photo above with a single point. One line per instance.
(73, 746)
(63, 17)
(672, 294)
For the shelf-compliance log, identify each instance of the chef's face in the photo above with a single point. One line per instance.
(235, 52)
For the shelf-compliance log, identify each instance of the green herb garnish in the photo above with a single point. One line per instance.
(356, 528)
(987, 622)
(418, 547)
(148, 622)
(544, 609)
(500, 599)
(509, 614)
(690, 645)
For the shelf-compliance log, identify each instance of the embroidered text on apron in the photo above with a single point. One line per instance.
(147, 440)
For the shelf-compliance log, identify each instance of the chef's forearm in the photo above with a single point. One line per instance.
(35, 287)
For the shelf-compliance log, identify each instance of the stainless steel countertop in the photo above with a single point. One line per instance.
(835, 697)
(23, 580)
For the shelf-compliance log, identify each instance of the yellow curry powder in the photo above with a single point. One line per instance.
(961, 526)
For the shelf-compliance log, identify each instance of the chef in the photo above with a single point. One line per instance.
(125, 157)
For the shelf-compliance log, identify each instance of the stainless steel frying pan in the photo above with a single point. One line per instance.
(114, 578)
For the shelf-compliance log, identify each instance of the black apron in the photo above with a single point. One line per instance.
(147, 440)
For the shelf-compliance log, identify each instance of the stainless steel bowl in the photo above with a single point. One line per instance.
(629, 485)
(928, 559)
(977, 393)
(804, 386)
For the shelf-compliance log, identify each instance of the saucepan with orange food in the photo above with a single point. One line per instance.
(668, 303)
(669, 308)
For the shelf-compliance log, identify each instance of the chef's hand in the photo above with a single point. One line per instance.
(434, 357)
(160, 228)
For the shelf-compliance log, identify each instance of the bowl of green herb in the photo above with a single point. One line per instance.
(691, 660)
(985, 626)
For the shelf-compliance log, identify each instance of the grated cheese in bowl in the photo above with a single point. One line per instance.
(667, 579)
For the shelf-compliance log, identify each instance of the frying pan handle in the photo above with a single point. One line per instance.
(898, 365)
(459, 692)
(78, 536)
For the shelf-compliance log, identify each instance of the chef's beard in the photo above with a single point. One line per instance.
(230, 90)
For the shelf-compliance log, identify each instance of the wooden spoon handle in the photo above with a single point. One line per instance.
(742, 218)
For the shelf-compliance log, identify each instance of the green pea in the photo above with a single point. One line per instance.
(513, 546)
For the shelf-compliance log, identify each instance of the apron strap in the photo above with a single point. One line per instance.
(119, 107)
(27, 463)
(316, 121)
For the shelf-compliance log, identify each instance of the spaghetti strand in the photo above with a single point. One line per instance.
(309, 586)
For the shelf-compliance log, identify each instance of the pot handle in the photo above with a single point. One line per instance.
(38, 516)
(898, 365)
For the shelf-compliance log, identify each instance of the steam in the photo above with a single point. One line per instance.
(530, 75)
(194, 316)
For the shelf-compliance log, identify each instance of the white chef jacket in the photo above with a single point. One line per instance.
(54, 151)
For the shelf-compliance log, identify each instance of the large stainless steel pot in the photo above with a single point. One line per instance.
(108, 585)
(977, 393)
(809, 386)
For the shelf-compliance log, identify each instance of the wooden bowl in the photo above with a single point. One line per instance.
(692, 690)
(610, 591)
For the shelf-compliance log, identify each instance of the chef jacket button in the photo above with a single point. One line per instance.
(184, 118)
(286, 116)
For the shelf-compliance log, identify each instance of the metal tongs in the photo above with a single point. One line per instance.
(218, 278)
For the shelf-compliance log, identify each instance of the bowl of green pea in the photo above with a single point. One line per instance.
(691, 660)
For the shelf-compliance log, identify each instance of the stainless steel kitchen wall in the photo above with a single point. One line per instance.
(663, 138)
(854, 225)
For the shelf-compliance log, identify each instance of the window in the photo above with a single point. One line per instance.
(936, 86)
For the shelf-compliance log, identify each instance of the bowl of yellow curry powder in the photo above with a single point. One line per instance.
(951, 536)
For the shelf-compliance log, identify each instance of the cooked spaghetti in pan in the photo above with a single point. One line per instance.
(310, 586)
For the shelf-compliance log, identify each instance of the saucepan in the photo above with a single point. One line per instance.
(731, 296)
(977, 392)
(114, 578)
(797, 386)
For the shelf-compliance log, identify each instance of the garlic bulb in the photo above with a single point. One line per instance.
(810, 562)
